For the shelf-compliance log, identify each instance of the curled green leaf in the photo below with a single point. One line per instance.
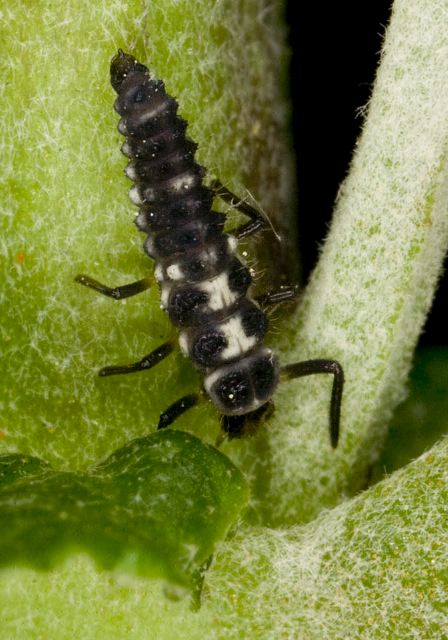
(140, 510)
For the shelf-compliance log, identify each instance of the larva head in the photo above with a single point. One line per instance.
(247, 425)
(245, 385)
(121, 67)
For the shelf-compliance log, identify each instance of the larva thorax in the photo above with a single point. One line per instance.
(203, 282)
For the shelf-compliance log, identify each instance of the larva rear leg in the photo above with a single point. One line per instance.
(118, 293)
(148, 362)
(311, 367)
(257, 220)
(177, 409)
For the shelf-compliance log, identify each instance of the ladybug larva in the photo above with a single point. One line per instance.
(204, 285)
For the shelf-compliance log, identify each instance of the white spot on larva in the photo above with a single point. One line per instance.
(184, 181)
(147, 115)
(174, 272)
(149, 245)
(158, 273)
(231, 396)
(126, 149)
(219, 293)
(122, 127)
(130, 172)
(165, 294)
(245, 254)
(183, 342)
(149, 194)
(238, 342)
(208, 256)
(135, 196)
(232, 243)
(141, 221)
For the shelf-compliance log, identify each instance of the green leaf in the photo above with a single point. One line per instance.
(65, 209)
(155, 507)
(372, 568)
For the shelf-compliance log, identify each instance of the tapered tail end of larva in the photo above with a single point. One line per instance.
(121, 66)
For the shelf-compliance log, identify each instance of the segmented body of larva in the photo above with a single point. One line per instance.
(203, 282)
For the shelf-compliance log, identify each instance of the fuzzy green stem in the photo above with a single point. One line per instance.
(373, 567)
(370, 294)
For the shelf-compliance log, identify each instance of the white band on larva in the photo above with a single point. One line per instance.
(219, 293)
(174, 272)
(237, 340)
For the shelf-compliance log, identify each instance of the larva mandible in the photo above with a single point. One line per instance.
(204, 284)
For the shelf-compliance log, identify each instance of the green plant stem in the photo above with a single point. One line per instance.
(373, 567)
(370, 294)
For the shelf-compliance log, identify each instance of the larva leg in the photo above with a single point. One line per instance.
(177, 409)
(125, 291)
(257, 220)
(145, 363)
(284, 294)
(309, 368)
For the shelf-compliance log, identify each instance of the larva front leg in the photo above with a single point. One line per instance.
(284, 294)
(257, 221)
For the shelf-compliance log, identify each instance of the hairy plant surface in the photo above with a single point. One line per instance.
(311, 561)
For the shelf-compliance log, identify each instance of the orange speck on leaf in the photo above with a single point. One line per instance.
(20, 257)
(2, 434)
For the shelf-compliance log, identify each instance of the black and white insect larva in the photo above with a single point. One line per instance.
(204, 284)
